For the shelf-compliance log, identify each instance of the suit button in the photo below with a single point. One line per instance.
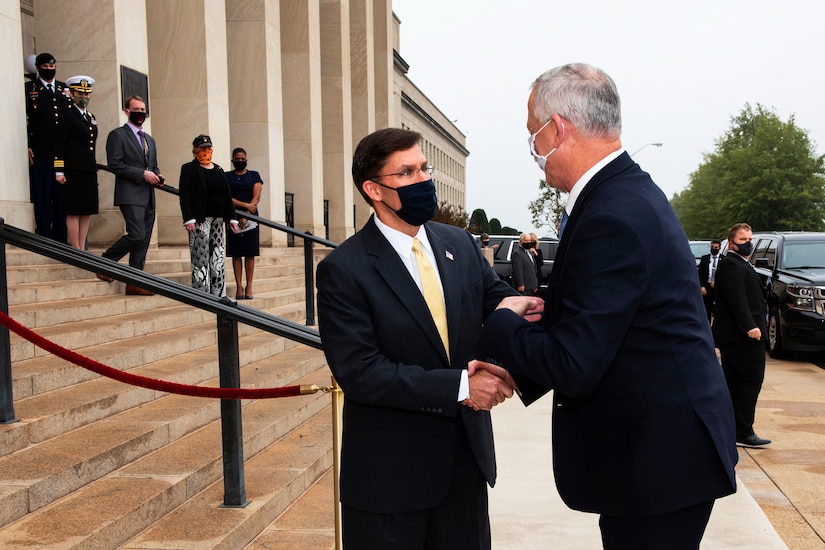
(438, 410)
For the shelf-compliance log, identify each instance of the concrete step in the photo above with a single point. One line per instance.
(93, 463)
(38, 475)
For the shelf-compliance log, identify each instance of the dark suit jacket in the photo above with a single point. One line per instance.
(643, 422)
(76, 142)
(524, 270)
(740, 302)
(125, 158)
(401, 413)
(45, 112)
(704, 270)
(194, 197)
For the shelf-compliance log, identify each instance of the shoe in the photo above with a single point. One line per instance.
(248, 297)
(752, 441)
(239, 297)
(132, 290)
(103, 277)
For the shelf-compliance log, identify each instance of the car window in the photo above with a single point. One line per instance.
(803, 255)
(759, 247)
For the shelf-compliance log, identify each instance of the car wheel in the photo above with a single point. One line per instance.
(775, 349)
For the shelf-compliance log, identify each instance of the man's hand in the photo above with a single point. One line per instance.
(151, 177)
(489, 385)
(486, 389)
(529, 307)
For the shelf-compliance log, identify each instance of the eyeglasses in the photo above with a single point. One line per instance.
(408, 173)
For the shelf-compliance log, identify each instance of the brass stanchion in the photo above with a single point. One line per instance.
(337, 428)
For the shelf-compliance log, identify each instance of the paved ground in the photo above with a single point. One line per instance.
(780, 502)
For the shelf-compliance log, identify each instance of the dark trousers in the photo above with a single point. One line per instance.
(47, 198)
(679, 530)
(744, 366)
(139, 223)
(710, 302)
(460, 522)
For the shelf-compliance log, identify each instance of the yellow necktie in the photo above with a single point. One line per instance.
(432, 293)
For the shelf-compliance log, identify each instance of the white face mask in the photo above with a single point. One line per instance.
(540, 160)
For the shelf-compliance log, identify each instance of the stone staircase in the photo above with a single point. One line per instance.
(97, 464)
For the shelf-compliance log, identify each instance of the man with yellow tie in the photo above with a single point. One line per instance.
(400, 307)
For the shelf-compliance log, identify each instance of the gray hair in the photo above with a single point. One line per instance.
(584, 95)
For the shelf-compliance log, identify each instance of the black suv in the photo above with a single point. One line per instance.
(503, 246)
(791, 266)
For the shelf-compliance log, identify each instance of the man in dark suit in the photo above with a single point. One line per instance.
(739, 331)
(47, 104)
(523, 265)
(642, 424)
(707, 275)
(132, 157)
(400, 306)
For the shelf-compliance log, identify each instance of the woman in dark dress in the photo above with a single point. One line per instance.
(206, 203)
(75, 162)
(243, 246)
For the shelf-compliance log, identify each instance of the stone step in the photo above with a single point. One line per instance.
(56, 396)
(182, 431)
(93, 463)
(19, 257)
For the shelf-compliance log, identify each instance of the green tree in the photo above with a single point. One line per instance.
(495, 227)
(548, 208)
(479, 223)
(451, 214)
(764, 172)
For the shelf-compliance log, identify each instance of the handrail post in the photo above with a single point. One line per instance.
(6, 393)
(309, 280)
(234, 486)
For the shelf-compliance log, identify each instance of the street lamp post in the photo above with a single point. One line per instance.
(645, 145)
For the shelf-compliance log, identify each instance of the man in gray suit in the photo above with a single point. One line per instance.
(132, 157)
(523, 265)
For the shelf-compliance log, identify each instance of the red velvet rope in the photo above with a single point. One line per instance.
(150, 383)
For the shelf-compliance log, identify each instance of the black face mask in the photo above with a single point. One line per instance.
(418, 202)
(47, 74)
(528, 244)
(485, 243)
(714, 251)
(239, 165)
(744, 249)
(137, 118)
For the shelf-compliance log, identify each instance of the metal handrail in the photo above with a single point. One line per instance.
(229, 313)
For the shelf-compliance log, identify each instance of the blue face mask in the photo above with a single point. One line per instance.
(418, 201)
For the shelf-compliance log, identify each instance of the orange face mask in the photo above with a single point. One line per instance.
(204, 156)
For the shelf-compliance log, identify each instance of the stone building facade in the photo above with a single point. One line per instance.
(296, 83)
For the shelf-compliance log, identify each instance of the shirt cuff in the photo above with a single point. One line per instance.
(464, 386)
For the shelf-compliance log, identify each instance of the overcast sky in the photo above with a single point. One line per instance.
(682, 71)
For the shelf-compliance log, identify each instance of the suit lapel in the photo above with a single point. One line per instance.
(390, 268)
(619, 164)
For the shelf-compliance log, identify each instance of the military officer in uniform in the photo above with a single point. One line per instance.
(47, 103)
(75, 162)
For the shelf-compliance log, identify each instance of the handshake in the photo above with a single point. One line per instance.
(491, 384)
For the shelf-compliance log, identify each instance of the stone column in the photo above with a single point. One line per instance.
(119, 38)
(385, 110)
(189, 92)
(337, 119)
(362, 69)
(256, 120)
(301, 66)
(15, 207)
